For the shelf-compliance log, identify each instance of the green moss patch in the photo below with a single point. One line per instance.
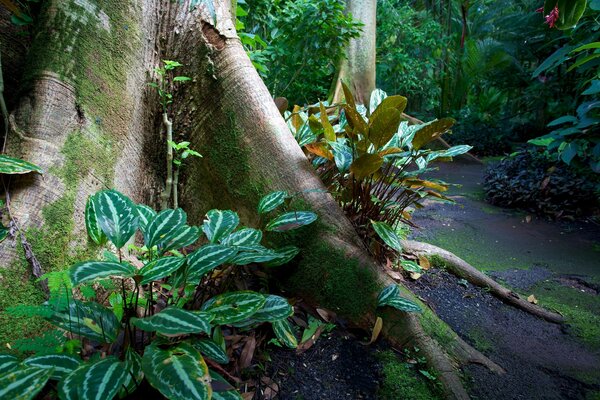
(402, 380)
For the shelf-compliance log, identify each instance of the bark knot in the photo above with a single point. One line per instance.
(213, 37)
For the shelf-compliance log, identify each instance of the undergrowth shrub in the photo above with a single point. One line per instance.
(531, 181)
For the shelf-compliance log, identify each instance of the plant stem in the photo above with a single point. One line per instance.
(169, 183)
(175, 183)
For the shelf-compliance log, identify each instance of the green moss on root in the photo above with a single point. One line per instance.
(402, 380)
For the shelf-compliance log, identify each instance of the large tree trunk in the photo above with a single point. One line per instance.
(88, 121)
(358, 68)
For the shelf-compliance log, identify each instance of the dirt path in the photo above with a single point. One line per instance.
(557, 262)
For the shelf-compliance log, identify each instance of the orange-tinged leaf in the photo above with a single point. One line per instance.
(438, 195)
(424, 262)
(366, 165)
(413, 183)
(406, 215)
(431, 131)
(383, 126)
(296, 118)
(327, 128)
(321, 149)
(532, 299)
(376, 329)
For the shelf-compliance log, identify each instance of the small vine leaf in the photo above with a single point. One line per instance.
(233, 307)
(291, 220)
(219, 223)
(178, 372)
(175, 321)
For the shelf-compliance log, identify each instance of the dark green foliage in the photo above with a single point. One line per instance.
(530, 181)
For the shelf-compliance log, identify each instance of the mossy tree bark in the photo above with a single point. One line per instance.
(87, 119)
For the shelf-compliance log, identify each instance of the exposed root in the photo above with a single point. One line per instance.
(462, 269)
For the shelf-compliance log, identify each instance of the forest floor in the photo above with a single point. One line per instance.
(557, 262)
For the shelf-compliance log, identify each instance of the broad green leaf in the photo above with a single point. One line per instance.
(222, 390)
(13, 166)
(285, 255)
(284, 332)
(91, 223)
(243, 237)
(356, 121)
(555, 59)
(219, 224)
(116, 302)
(179, 238)
(291, 220)
(174, 321)
(90, 270)
(23, 383)
(388, 235)
(210, 349)
(271, 201)
(233, 307)
(594, 87)
(88, 319)
(366, 165)
(563, 120)
(178, 372)
(593, 45)
(117, 216)
(146, 215)
(390, 102)
(7, 363)
(135, 375)
(69, 386)
(569, 12)
(327, 128)
(274, 309)
(248, 257)
(342, 155)
(61, 364)
(102, 380)
(160, 268)
(383, 126)
(165, 223)
(411, 266)
(207, 258)
(431, 131)
(390, 296)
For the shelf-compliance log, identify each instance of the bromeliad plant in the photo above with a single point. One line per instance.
(148, 322)
(371, 159)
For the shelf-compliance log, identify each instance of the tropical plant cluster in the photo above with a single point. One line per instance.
(152, 318)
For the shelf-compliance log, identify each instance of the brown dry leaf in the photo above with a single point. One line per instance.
(528, 219)
(272, 389)
(424, 262)
(415, 275)
(248, 395)
(394, 275)
(376, 330)
(532, 299)
(248, 352)
(326, 315)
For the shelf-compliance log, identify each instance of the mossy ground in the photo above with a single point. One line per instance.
(402, 380)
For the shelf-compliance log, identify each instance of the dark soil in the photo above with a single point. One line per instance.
(337, 366)
(542, 361)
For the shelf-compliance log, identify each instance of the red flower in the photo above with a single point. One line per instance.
(552, 17)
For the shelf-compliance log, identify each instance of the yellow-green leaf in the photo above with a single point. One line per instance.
(383, 126)
(366, 165)
(431, 131)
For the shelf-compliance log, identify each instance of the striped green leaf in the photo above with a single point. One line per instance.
(102, 380)
(135, 375)
(222, 390)
(116, 215)
(207, 258)
(179, 238)
(233, 307)
(284, 332)
(69, 386)
(91, 223)
(390, 296)
(342, 155)
(13, 166)
(212, 350)
(178, 372)
(248, 257)
(88, 319)
(411, 266)
(146, 215)
(174, 321)
(271, 201)
(165, 223)
(219, 224)
(275, 308)
(387, 234)
(291, 220)
(160, 268)
(60, 364)
(23, 383)
(4, 231)
(284, 256)
(243, 237)
(7, 363)
(90, 270)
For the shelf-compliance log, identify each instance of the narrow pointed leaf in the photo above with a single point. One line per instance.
(91, 223)
(207, 258)
(90, 270)
(135, 375)
(327, 128)
(271, 201)
(102, 380)
(88, 319)
(60, 364)
(274, 309)
(388, 235)
(388, 293)
(210, 349)
(160, 268)
(348, 96)
(233, 307)
(146, 215)
(243, 237)
(166, 222)
(248, 257)
(175, 321)
(23, 383)
(284, 256)
(284, 332)
(68, 387)
(12, 166)
(178, 372)
(219, 224)
(291, 220)
(117, 216)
